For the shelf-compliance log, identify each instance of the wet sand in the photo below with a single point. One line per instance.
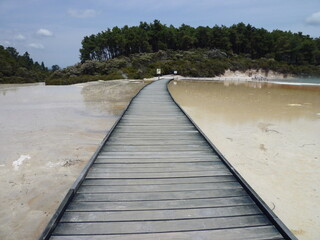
(47, 134)
(270, 134)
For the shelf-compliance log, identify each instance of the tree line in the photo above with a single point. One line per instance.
(238, 39)
(16, 68)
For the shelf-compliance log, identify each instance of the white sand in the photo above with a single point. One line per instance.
(16, 164)
(47, 134)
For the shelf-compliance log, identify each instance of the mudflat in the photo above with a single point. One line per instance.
(47, 135)
(270, 134)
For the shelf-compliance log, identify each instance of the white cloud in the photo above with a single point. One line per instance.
(44, 32)
(87, 13)
(313, 19)
(36, 45)
(19, 37)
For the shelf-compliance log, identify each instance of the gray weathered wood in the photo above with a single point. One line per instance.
(84, 202)
(116, 175)
(156, 177)
(150, 196)
(248, 233)
(161, 226)
(151, 160)
(160, 214)
(157, 188)
(158, 181)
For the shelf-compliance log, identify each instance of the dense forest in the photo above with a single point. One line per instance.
(239, 39)
(16, 68)
(136, 52)
(193, 63)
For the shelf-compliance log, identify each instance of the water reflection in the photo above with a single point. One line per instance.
(240, 102)
(29, 112)
(109, 97)
(270, 134)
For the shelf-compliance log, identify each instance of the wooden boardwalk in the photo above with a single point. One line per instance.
(157, 177)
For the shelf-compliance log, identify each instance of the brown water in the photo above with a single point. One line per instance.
(271, 135)
(47, 134)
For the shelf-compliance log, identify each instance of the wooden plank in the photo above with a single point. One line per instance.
(157, 188)
(181, 154)
(157, 196)
(159, 214)
(155, 170)
(248, 233)
(157, 131)
(155, 121)
(161, 166)
(92, 174)
(154, 148)
(145, 139)
(160, 226)
(172, 124)
(156, 157)
(146, 154)
(159, 118)
(153, 115)
(152, 135)
(154, 127)
(140, 141)
(151, 160)
(173, 145)
(180, 165)
(158, 181)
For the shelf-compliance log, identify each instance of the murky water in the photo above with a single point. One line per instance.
(270, 134)
(47, 134)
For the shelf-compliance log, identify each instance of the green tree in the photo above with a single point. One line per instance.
(55, 68)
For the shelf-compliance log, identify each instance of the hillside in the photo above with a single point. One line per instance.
(193, 63)
(137, 51)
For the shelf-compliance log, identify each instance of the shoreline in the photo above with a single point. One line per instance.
(255, 76)
(243, 79)
(250, 75)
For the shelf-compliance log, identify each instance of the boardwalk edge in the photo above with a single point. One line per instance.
(46, 234)
(281, 227)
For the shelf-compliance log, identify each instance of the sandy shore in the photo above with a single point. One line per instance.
(270, 134)
(47, 134)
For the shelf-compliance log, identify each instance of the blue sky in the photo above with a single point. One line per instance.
(52, 30)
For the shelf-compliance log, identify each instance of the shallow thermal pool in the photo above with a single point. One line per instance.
(47, 134)
(270, 134)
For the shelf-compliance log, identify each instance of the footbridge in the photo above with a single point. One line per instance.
(157, 176)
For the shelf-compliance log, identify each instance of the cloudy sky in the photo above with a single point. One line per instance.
(52, 30)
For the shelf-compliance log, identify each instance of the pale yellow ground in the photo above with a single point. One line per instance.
(271, 135)
(56, 130)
